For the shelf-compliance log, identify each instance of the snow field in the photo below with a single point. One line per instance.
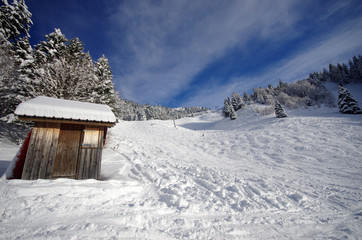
(7, 151)
(257, 177)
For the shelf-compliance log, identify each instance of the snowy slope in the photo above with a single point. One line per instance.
(7, 151)
(257, 177)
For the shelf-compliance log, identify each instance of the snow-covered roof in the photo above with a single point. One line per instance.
(46, 107)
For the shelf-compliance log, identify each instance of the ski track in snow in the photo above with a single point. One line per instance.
(257, 177)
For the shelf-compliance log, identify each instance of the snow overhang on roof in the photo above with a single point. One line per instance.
(53, 108)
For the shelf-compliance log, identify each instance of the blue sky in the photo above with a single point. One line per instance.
(197, 52)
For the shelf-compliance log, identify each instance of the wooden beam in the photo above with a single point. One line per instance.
(68, 121)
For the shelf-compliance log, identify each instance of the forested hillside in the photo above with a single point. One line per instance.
(307, 92)
(59, 67)
(131, 111)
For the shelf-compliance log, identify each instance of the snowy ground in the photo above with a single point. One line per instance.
(257, 177)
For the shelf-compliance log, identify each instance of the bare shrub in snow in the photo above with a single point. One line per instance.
(264, 110)
(290, 101)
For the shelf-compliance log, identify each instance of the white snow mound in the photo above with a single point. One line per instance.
(65, 109)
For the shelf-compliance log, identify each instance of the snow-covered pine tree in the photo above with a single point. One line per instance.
(6, 58)
(7, 73)
(246, 97)
(233, 114)
(25, 64)
(359, 64)
(279, 111)
(355, 69)
(105, 87)
(141, 115)
(346, 103)
(344, 73)
(227, 107)
(65, 70)
(15, 19)
(51, 49)
(229, 110)
(14, 22)
(23, 85)
(237, 101)
(335, 74)
(85, 79)
(260, 95)
(325, 76)
(48, 63)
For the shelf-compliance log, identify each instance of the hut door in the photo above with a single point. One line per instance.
(91, 153)
(66, 159)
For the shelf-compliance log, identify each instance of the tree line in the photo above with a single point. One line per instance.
(306, 92)
(57, 67)
(131, 111)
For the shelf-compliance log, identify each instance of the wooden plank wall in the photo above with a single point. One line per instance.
(91, 155)
(41, 152)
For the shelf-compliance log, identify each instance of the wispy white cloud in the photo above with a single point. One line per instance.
(170, 42)
(338, 46)
(161, 46)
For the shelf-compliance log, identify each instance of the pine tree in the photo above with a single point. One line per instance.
(359, 65)
(46, 58)
(343, 73)
(355, 69)
(7, 74)
(15, 19)
(246, 97)
(233, 114)
(23, 84)
(227, 107)
(6, 59)
(14, 22)
(51, 49)
(65, 70)
(25, 65)
(325, 77)
(50, 65)
(346, 103)
(237, 101)
(334, 74)
(279, 111)
(229, 110)
(105, 87)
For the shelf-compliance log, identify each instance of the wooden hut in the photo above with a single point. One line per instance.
(67, 138)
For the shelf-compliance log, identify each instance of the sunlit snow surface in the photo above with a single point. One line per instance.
(65, 109)
(257, 177)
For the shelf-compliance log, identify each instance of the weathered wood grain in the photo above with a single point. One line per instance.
(90, 157)
(66, 159)
(42, 144)
(28, 164)
(50, 149)
(64, 150)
